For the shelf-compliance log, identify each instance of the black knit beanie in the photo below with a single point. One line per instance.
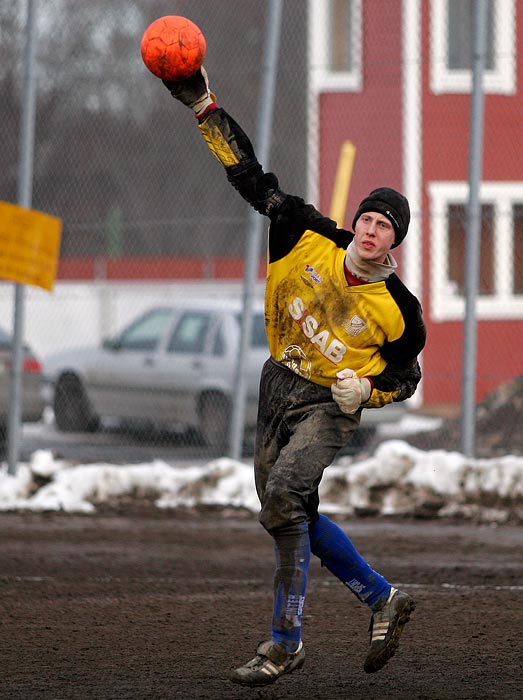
(391, 204)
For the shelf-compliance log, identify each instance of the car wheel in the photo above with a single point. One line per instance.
(215, 420)
(72, 410)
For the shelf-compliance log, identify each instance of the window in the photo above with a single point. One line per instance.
(460, 35)
(190, 333)
(335, 44)
(258, 333)
(452, 39)
(457, 232)
(145, 333)
(5, 339)
(341, 53)
(218, 346)
(500, 292)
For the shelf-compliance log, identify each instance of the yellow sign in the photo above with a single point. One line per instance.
(29, 245)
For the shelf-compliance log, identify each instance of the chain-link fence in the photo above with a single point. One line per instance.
(149, 219)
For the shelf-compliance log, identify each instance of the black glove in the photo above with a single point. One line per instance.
(258, 188)
(193, 92)
(268, 191)
(295, 209)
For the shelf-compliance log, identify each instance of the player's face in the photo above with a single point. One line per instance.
(373, 236)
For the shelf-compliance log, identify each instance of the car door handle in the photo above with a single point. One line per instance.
(197, 364)
(149, 362)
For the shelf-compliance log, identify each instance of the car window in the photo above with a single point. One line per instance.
(190, 333)
(218, 346)
(5, 338)
(146, 332)
(259, 336)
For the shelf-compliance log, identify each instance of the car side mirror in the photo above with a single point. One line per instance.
(111, 344)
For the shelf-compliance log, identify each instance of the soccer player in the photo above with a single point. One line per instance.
(344, 334)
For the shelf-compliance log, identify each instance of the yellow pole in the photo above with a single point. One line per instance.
(340, 192)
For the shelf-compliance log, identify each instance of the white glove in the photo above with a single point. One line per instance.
(194, 92)
(350, 392)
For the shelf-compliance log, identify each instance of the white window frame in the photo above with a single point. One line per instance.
(323, 79)
(501, 79)
(503, 303)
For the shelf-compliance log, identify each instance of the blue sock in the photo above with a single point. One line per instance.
(292, 556)
(330, 543)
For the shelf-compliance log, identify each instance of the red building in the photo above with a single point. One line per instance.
(391, 84)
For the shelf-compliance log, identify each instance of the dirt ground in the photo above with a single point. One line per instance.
(135, 603)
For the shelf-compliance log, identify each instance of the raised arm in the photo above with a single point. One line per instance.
(229, 144)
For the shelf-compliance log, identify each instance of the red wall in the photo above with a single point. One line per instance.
(359, 117)
(446, 120)
(155, 269)
(498, 361)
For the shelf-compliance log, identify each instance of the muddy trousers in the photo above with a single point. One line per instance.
(300, 430)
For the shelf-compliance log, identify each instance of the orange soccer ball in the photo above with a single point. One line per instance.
(173, 47)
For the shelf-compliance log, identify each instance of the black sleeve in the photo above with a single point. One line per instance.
(395, 383)
(401, 376)
(402, 351)
(231, 146)
(290, 216)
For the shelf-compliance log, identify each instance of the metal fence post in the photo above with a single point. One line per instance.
(473, 239)
(25, 179)
(263, 143)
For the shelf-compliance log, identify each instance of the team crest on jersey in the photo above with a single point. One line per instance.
(295, 359)
(315, 276)
(354, 326)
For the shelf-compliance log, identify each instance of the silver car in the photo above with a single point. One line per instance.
(32, 396)
(174, 367)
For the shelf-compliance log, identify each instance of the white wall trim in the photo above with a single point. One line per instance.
(321, 79)
(313, 110)
(412, 139)
(411, 154)
(445, 303)
(502, 79)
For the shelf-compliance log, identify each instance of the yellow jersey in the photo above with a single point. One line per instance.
(316, 322)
